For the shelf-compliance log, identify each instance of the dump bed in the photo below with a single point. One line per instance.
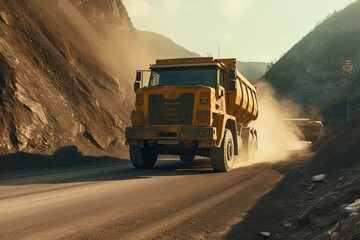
(243, 102)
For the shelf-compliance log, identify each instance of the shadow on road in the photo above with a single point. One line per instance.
(67, 165)
(66, 156)
(278, 210)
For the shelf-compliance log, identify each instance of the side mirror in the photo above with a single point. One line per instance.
(219, 91)
(138, 76)
(232, 85)
(222, 93)
(232, 73)
(136, 85)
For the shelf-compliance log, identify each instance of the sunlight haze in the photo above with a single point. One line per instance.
(250, 30)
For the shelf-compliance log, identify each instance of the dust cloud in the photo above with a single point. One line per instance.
(108, 45)
(276, 139)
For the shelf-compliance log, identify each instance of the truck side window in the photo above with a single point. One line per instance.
(222, 75)
(154, 79)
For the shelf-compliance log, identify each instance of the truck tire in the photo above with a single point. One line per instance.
(222, 158)
(248, 148)
(187, 157)
(256, 142)
(142, 157)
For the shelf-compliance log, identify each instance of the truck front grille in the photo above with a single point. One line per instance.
(171, 111)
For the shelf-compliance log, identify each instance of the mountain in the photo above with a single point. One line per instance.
(160, 46)
(311, 72)
(253, 71)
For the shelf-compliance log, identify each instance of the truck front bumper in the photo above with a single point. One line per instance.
(204, 136)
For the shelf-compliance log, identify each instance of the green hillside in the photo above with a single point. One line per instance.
(310, 73)
(253, 71)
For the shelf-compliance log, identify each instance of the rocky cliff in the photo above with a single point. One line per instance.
(311, 74)
(66, 71)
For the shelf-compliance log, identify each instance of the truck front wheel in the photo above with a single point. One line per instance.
(222, 159)
(142, 157)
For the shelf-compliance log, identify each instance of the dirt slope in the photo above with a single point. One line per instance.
(65, 76)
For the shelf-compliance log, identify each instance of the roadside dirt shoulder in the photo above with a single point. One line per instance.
(317, 199)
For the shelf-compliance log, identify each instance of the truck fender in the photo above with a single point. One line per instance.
(223, 122)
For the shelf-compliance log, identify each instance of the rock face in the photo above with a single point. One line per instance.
(310, 73)
(66, 72)
(106, 16)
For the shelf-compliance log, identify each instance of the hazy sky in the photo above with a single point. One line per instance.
(250, 30)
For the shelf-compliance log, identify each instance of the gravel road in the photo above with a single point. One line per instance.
(174, 200)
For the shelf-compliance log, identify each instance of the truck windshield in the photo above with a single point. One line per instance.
(181, 76)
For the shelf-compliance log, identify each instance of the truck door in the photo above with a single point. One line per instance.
(220, 92)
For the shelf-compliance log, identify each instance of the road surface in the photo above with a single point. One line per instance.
(115, 201)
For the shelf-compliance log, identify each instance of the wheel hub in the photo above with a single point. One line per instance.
(229, 150)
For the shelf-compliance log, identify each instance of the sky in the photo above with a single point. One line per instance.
(249, 30)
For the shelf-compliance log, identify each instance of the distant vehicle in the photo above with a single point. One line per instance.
(310, 129)
(193, 106)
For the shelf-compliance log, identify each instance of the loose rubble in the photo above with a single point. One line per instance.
(265, 235)
(353, 207)
(286, 224)
(318, 178)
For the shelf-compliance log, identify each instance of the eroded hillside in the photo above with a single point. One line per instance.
(66, 69)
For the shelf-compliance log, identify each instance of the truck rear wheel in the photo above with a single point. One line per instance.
(142, 157)
(222, 159)
(187, 157)
(249, 147)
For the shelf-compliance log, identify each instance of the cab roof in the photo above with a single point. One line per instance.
(224, 63)
(199, 61)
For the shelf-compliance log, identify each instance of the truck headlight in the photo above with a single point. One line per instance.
(204, 101)
(203, 118)
(204, 97)
(139, 99)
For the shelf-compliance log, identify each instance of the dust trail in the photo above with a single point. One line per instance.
(275, 137)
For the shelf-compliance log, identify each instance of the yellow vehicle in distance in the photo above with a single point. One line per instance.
(193, 106)
(310, 130)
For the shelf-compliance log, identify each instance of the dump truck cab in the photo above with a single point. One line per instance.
(188, 108)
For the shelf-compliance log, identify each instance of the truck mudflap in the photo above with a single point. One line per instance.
(206, 136)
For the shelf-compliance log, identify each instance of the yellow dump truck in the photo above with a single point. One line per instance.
(193, 106)
(310, 129)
